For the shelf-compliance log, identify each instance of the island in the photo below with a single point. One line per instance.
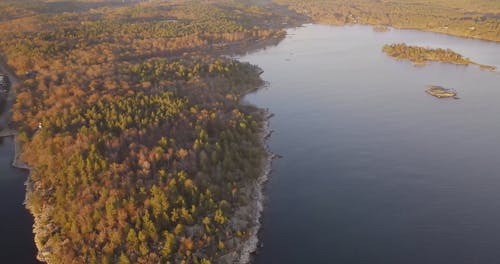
(441, 92)
(420, 56)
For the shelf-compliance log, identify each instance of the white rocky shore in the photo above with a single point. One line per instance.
(250, 215)
(250, 245)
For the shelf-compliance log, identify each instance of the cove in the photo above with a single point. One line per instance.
(374, 170)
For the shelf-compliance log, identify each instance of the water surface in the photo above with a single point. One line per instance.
(374, 170)
(16, 241)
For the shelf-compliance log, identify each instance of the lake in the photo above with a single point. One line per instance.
(16, 242)
(374, 170)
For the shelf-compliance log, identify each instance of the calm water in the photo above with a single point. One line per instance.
(16, 239)
(374, 170)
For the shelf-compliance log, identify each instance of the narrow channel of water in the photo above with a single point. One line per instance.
(16, 241)
(374, 170)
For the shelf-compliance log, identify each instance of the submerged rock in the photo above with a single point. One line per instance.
(441, 92)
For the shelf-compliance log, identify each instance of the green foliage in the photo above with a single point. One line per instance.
(139, 112)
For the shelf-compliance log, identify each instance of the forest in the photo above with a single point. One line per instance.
(140, 149)
(472, 19)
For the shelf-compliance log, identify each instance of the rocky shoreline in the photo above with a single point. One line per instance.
(250, 246)
(250, 215)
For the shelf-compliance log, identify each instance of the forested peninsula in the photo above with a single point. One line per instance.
(129, 115)
(131, 121)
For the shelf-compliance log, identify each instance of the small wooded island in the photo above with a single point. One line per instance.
(420, 56)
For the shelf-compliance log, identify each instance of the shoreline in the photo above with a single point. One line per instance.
(245, 248)
(17, 163)
(250, 245)
(326, 23)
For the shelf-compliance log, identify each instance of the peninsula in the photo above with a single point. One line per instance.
(129, 115)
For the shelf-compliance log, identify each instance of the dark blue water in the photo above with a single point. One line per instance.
(374, 170)
(16, 239)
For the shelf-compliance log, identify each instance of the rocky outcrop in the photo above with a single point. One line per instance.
(441, 92)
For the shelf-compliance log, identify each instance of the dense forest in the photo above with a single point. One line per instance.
(131, 121)
(474, 19)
